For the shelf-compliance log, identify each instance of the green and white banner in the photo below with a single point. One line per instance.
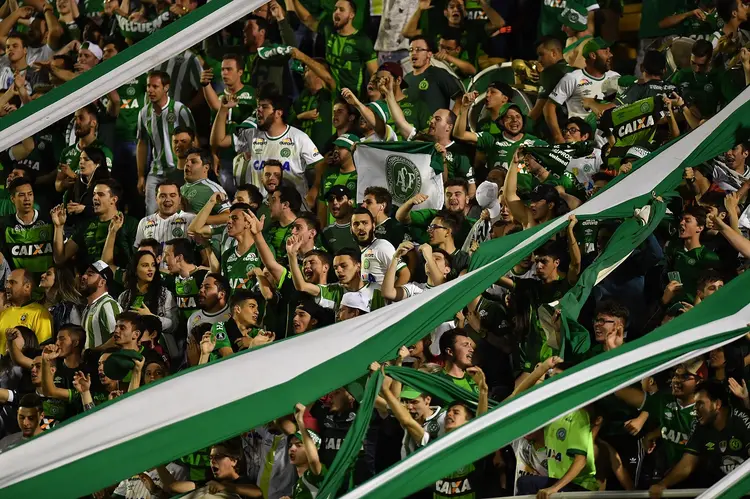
(210, 403)
(404, 168)
(165, 43)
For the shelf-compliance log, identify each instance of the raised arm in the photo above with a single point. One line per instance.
(266, 253)
(411, 29)
(403, 214)
(15, 348)
(460, 130)
(61, 251)
(413, 429)
(304, 15)
(389, 289)
(50, 355)
(406, 129)
(574, 269)
(219, 137)
(316, 68)
(292, 248)
(313, 459)
(82, 384)
(108, 251)
(510, 193)
(432, 269)
(478, 376)
(207, 75)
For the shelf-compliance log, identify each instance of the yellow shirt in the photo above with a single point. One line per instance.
(33, 315)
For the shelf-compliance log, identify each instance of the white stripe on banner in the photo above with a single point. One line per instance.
(129, 70)
(558, 386)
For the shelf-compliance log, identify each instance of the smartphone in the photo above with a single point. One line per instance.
(674, 276)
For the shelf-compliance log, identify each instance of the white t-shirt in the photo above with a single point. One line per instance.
(375, 260)
(293, 148)
(133, 488)
(529, 461)
(576, 85)
(163, 229)
(201, 317)
(585, 168)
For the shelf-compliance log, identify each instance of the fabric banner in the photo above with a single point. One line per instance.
(109, 75)
(404, 168)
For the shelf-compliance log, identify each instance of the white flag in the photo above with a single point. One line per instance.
(404, 168)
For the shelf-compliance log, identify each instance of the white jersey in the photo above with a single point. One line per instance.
(584, 168)
(293, 148)
(434, 428)
(375, 260)
(201, 317)
(163, 229)
(133, 488)
(529, 461)
(577, 85)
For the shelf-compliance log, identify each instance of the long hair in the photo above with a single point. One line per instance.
(153, 293)
(30, 343)
(64, 289)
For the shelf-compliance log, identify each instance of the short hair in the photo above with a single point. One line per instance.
(552, 249)
(184, 129)
(450, 220)
(222, 283)
(237, 58)
(654, 63)
(702, 48)
(289, 194)
(324, 256)
(430, 44)
(18, 182)
(351, 253)
(162, 75)
(708, 277)
(119, 44)
(446, 256)
(462, 182)
(448, 339)
(358, 210)
(349, 108)
(134, 318)
(451, 117)
(242, 295)
(724, 9)
(550, 43)
(452, 34)
(381, 195)
(68, 62)
(91, 110)
(206, 157)
(582, 125)
(613, 309)
(352, 5)
(152, 323)
(262, 23)
(278, 102)
(715, 389)
(699, 213)
(255, 195)
(31, 401)
(19, 36)
(182, 246)
(77, 332)
(273, 162)
(310, 220)
(150, 242)
(114, 187)
(168, 182)
(96, 155)
(470, 414)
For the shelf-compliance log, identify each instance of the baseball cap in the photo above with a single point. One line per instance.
(355, 299)
(93, 48)
(595, 44)
(103, 270)
(486, 196)
(324, 316)
(697, 368)
(503, 87)
(575, 18)
(396, 71)
(380, 108)
(408, 392)
(120, 363)
(315, 437)
(338, 191)
(544, 192)
(347, 140)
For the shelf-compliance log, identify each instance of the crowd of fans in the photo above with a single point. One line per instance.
(210, 207)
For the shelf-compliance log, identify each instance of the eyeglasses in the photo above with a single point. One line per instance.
(571, 130)
(435, 226)
(604, 321)
(418, 49)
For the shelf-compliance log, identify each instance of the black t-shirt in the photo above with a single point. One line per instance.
(721, 451)
(333, 428)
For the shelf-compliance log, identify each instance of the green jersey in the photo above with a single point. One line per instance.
(157, 129)
(551, 76)
(421, 219)
(186, 291)
(331, 294)
(27, 246)
(197, 194)
(458, 161)
(654, 11)
(465, 382)
(697, 29)
(239, 268)
(566, 438)
(320, 129)
(632, 125)
(690, 264)
(337, 237)
(335, 177)
(500, 151)
(415, 112)
(90, 238)
(309, 484)
(549, 25)
(347, 56)
(71, 155)
(675, 421)
(435, 87)
(245, 108)
(276, 236)
(702, 89)
(462, 483)
(48, 146)
(132, 99)
(722, 451)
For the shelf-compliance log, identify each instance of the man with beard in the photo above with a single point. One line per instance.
(30, 415)
(272, 139)
(580, 84)
(343, 173)
(198, 188)
(674, 414)
(338, 235)
(376, 253)
(378, 201)
(434, 86)
(213, 299)
(346, 265)
(89, 238)
(273, 175)
(157, 122)
(720, 442)
(169, 221)
(98, 318)
(183, 139)
(86, 128)
(241, 331)
(348, 51)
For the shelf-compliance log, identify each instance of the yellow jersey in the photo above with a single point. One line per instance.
(33, 316)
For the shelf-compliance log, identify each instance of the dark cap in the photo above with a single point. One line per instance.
(338, 191)
(101, 268)
(546, 192)
(394, 68)
(503, 87)
(324, 316)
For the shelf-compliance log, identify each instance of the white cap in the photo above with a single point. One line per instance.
(93, 48)
(356, 300)
(486, 196)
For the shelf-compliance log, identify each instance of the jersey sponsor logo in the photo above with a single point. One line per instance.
(585, 82)
(453, 487)
(676, 437)
(402, 175)
(729, 463)
(331, 443)
(130, 104)
(286, 142)
(555, 3)
(635, 125)
(186, 302)
(258, 165)
(31, 249)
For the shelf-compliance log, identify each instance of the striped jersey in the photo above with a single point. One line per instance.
(197, 194)
(184, 72)
(163, 229)
(99, 320)
(157, 129)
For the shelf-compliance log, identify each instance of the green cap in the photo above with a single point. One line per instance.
(313, 435)
(346, 141)
(595, 44)
(574, 17)
(407, 392)
(380, 108)
(120, 363)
